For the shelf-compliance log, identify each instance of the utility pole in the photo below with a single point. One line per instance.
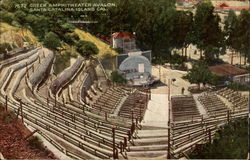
(55, 101)
(27, 72)
(113, 136)
(159, 72)
(141, 112)
(47, 101)
(21, 106)
(132, 116)
(169, 124)
(6, 102)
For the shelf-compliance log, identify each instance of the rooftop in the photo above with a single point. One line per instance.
(103, 37)
(226, 70)
(233, 5)
(123, 35)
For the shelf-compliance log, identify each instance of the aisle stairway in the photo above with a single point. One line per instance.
(149, 143)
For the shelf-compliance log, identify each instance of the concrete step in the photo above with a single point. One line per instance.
(152, 133)
(151, 141)
(148, 154)
(161, 147)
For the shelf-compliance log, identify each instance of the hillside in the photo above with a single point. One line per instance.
(15, 35)
(104, 49)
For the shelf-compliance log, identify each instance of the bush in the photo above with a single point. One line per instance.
(238, 87)
(176, 59)
(87, 49)
(7, 17)
(27, 39)
(52, 41)
(119, 50)
(117, 77)
(4, 46)
(71, 38)
(35, 142)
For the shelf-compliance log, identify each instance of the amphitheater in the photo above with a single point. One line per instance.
(81, 115)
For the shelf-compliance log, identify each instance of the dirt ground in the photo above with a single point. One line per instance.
(12, 143)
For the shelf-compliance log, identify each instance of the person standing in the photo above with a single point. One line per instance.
(182, 90)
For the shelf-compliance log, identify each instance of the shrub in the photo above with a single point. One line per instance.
(52, 41)
(35, 142)
(7, 17)
(4, 46)
(119, 50)
(117, 77)
(176, 59)
(238, 86)
(70, 38)
(87, 49)
(27, 39)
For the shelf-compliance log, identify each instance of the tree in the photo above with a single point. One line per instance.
(244, 34)
(238, 33)
(201, 74)
(7, 17)
(182, 26)
(154, 28)
(39, 25)
(231, 33)
(52, 41)
(71, 38)
(209, 37)
(20, 18)
(87, 49)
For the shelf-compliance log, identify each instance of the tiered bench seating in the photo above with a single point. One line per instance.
(135, 104)
(213, 105)
(17, 59)
(81, 130)
(87, 133)
(184, 108)
(109, 100)
(240, 102)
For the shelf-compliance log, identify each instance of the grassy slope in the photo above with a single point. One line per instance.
(11, 34)
(103, 47)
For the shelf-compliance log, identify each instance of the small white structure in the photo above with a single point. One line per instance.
(124, 40)
(137, 69)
